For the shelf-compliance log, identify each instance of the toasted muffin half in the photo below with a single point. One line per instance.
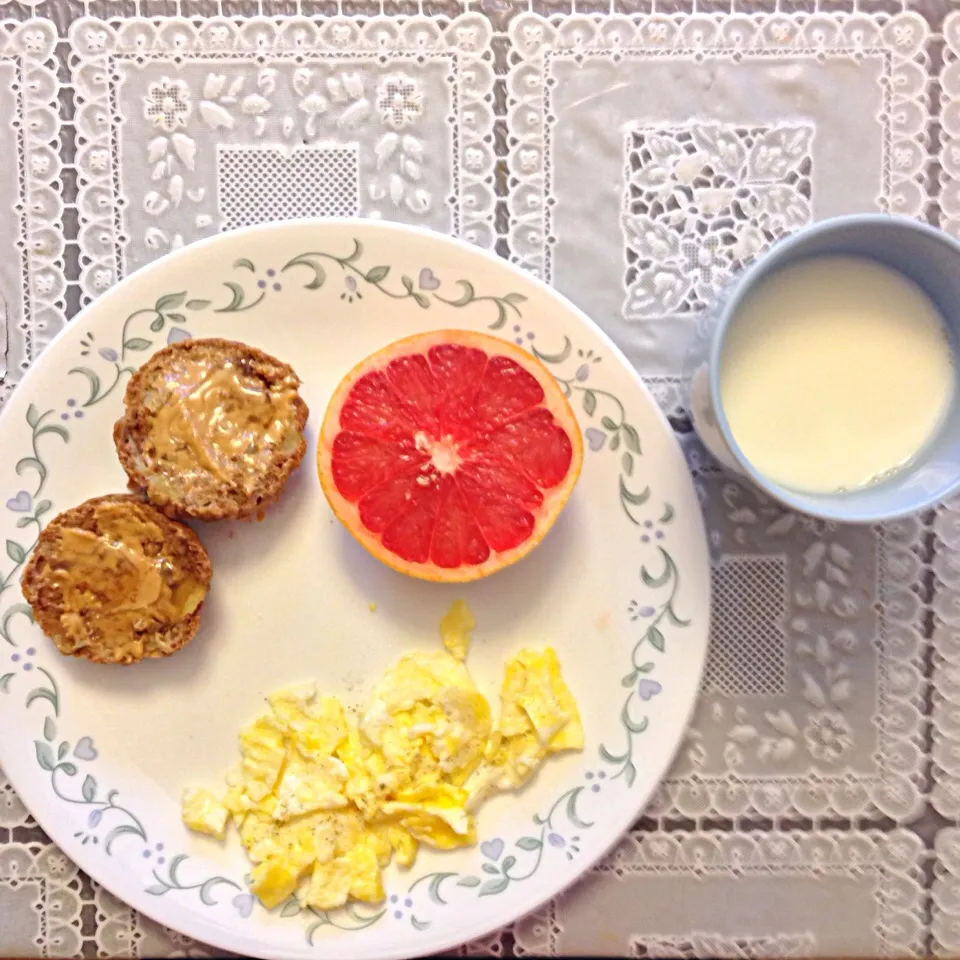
(115, 581)
(213, 429)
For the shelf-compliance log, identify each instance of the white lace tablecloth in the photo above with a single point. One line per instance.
(635, 153)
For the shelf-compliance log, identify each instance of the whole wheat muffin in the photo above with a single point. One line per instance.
(115, 581)
(213, 429)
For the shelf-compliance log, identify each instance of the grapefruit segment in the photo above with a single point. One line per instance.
(361, 462)
(449, 455)
(457, 537)
(505, 391)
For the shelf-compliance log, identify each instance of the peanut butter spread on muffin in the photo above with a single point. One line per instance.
(116, 581)
(219, 419)
(213, 429)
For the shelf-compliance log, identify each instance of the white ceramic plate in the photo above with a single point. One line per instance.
(620, 588)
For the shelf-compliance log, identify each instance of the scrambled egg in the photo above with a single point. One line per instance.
(322, 803)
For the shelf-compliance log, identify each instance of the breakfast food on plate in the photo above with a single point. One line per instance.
(212, 430)
(323, 803)
(449, 455)
(115, 581)
(455, 629)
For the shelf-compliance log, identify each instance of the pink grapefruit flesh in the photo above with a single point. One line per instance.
(449, 455)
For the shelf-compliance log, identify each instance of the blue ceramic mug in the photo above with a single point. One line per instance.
(927, 256)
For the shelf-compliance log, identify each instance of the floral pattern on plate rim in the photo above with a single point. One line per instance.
(555, 833)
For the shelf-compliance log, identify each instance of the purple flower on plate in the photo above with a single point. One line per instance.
(569, 846)
(158, 848)
(396, 907)
(25, 658)
(109, 354)
(85, 750)
(638, 610)
(647, 689)
(21, 503)
(595, 438)
(243, 904)
(428, 280)
(176, 334)
(350, 291)
(492, 849)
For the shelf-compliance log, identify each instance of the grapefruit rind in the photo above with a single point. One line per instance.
(554, 498)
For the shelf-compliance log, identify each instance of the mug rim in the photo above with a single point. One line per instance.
(768, 263)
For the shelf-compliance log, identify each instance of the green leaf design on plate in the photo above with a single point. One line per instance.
(529, 843)
(170, 302)
(207, 888)
(589, 403)
(377, 274)
(245, 264)
(649, 580)
(637, 499)
(137, 344)
(634, 726)
(94, 382)
(124, 829)
(198, 304)
(492, 887)
(35, 464)
(572, 814)
(15, 552)
(53, 428)
(468, 882)
(306, 260)
(469, 294)
(514, 299)
(656, 639)
(559, 357)
(433, 889)
(41, 693)
(631, 438)
(238, 296)
(628, 498)
(89, 788)
(44, 755)
(12, 611)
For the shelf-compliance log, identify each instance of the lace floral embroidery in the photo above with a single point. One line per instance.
(702, 201)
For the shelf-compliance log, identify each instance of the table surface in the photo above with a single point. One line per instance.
(636, 154)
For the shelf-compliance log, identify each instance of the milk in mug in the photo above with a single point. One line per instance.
(835, 372)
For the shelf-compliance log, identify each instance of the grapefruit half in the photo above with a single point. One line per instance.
(449, 455)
